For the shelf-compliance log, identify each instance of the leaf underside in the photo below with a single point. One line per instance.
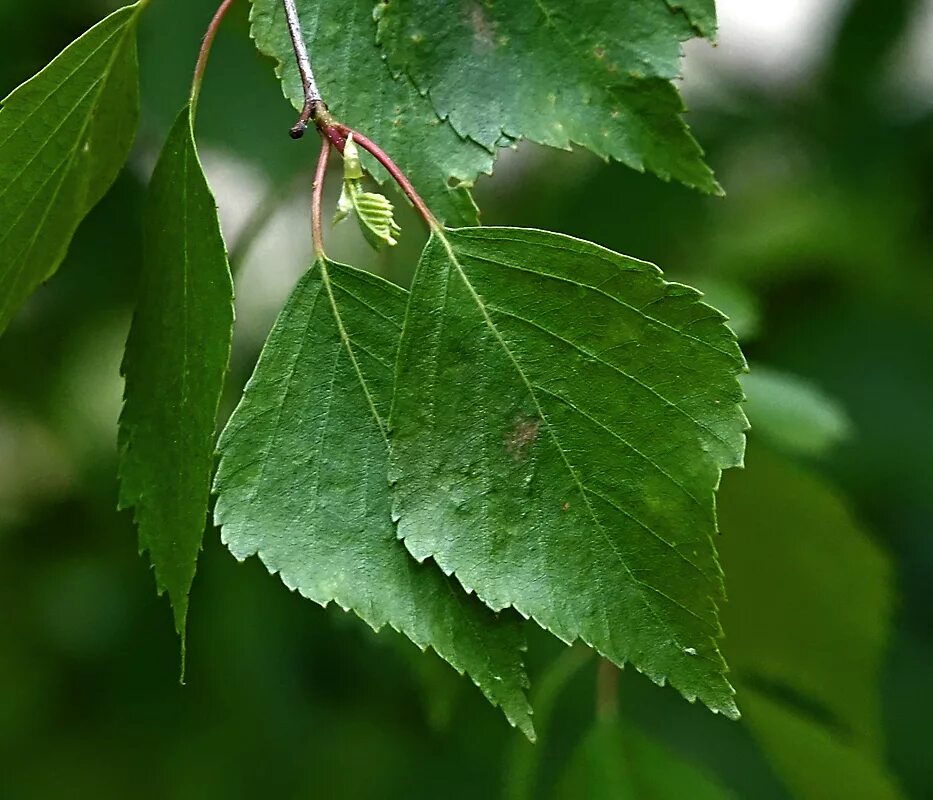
(557, 72)
(362, 93)
(302, 482)
(560, 422)
(64, 136)
(175, 364)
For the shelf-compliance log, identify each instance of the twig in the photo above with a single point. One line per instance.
(312, 93)
(607, 690)
(317, 229)
(335, 132)
(206, 45)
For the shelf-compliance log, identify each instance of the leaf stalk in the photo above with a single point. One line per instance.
(206, 45)
(607, 690)
(317, 193)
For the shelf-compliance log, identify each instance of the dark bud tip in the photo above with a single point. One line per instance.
(299, 130)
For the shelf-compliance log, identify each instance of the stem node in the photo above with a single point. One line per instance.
(335, 133)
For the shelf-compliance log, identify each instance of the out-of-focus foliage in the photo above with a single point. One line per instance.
(792, 413)
(614, 762)
(828, 225)
(808, 616)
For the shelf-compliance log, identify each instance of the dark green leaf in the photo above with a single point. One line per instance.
(615, 762)
(561, 72)
(64, 136)
(175, 363)
(302, 482)
(560, 422)
(361, 92)
(808, 616)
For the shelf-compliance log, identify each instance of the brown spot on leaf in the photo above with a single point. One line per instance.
(521, 436)
(484, 31)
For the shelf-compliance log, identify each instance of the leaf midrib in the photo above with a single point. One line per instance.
(345, 340)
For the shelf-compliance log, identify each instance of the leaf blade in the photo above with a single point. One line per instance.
(52, 177)
(604, 84)
(321, 519)
(175, 365)
(517, 459)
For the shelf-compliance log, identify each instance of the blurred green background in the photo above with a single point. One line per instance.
(820, 126)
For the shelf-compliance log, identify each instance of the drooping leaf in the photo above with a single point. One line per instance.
(374, 212)
(64, 136)
(808, 616)
(559, 72)
(616, 762)
(560, 421)
(175, 364)
(302, 482)
(361, 93)
(792, 413)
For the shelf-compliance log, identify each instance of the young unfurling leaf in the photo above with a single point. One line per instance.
(374, 212)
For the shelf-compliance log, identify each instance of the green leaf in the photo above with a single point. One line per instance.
(701, 13)
(362, 93)
(793, 414)
(809, 609)
(615, 762)
(302, 482)
(814, 761)
(560, 421)
(175, 364)
(739, 305)
(560, 72)
(64, 136)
